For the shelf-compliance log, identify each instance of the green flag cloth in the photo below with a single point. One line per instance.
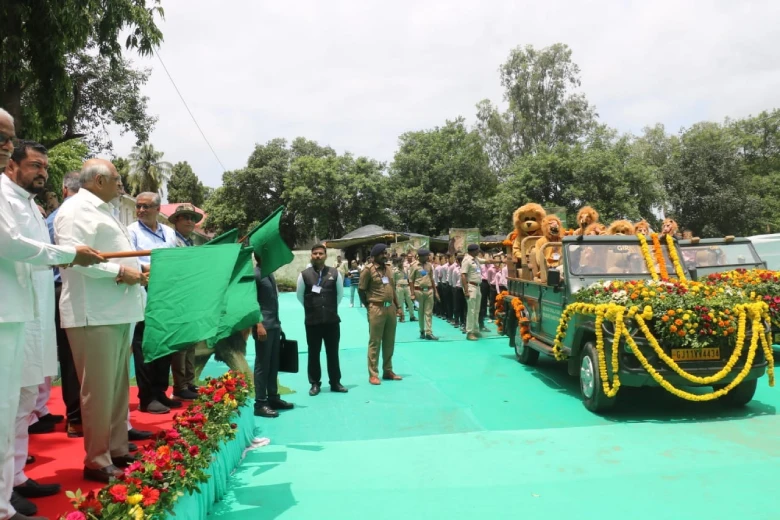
(269, 245)
(241, 308)
(229, 237)
(187, 294)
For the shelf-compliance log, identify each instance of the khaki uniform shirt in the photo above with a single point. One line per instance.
(420, 280)
(376, 290)
(472, 269)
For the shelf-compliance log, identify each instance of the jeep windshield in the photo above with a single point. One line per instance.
(603, 259)
(709, 256)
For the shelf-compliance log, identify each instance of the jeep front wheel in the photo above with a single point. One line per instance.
(591, 387)
(525, 354)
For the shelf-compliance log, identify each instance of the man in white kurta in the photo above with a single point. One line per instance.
(24, 178)
(98, 304)
(18, 252)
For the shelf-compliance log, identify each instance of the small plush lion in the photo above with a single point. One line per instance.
(669, 227)
(585, 217)
(597, 228)
(621, 227)
(642, 228)
(552, 231)
(528, 223)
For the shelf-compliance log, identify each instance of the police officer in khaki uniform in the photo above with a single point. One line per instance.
(401, 277)
(471, 278)
(424, 291)
(377, 293)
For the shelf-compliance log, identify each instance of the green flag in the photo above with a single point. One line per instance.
(229, 237)
(269, 245)
(186, 296)
(241, 307)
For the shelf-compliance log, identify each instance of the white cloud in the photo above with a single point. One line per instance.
(357, 74)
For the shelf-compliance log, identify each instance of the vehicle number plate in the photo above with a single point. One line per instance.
(695, 354)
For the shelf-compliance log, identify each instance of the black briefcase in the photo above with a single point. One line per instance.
(288, 355)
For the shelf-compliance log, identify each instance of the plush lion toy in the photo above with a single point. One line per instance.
(597, 228)
(528, 223)
(669, 227)
(642, 228)
(586, 216)
(552, 231)
(621, 227)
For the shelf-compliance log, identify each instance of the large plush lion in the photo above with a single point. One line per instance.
(528, 223)
(669, 227)
(596, 229)
(642, 228)
(552, 231)
(621, 227)
(586, 216)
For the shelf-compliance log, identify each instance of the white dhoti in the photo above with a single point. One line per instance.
(11, 358)
(27, 397)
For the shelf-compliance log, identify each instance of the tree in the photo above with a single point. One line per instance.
(707, 186)
(544, 108)
(147, 171)
(65, 158)
(122, 166)
(440, 179)
(184, 185)
(45, 46)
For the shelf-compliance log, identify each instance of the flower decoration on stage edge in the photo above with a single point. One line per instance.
(175, 463)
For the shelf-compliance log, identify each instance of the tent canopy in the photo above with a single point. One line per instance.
(366, 235)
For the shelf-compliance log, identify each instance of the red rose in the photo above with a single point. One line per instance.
(118, 492)
(194, 450)
(157, 475)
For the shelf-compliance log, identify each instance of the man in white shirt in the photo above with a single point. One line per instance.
(97, 307)
(152, 378)
(20, 304)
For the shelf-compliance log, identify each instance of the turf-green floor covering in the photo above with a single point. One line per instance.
(470, 433)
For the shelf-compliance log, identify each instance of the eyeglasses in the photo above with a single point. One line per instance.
(186, 217)
(145, 206)
(5, 139)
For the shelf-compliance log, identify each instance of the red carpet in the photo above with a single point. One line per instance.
(61, 460)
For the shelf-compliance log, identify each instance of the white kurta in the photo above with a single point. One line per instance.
(40, 349)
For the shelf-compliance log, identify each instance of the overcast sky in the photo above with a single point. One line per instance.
(357, 74)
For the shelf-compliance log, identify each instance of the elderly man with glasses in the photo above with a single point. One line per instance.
(152, 378)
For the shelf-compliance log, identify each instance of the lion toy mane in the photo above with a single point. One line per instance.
(621, 227)
(528, 223)
(586, 216)
(669, 227)
(642, 228)
(552, 231)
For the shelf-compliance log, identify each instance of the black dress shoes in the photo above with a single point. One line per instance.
(41, 427)
(32, 489)
(314, 390)
(278, 404)
(170, 403)
(265, 411)
(422, 335)
(103, 474)
(122, 461)
(155, 407)
(431, 337)
(22, 505)
(131, 447)
(56, 419)
(138, 435)
(339, 388)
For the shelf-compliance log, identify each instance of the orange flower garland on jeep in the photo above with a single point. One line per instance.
(519, 308)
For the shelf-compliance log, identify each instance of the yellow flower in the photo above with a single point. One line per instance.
(686, 317)
(135, 499)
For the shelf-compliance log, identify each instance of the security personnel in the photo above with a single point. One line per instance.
(471, 278)
(401, 277)
(377, 293)
(424, 291)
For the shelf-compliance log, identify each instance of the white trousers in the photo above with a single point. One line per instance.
(27, 399)
(41, 403)
(11, 358)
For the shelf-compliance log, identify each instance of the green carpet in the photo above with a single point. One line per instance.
(470, 433)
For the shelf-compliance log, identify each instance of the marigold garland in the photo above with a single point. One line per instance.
(675, 258)
(659, 257)
(500, 311)
(646, 255)
(525, 328)
(615, 313)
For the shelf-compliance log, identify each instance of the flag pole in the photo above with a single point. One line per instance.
(126, 254)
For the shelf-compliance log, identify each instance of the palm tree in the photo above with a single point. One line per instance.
(147, 171)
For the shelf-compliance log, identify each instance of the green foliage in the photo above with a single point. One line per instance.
(544, 109)
(63, 158)
(184, 185)
(122, 166)
(63, 75)
(147, 171)
(440, 179)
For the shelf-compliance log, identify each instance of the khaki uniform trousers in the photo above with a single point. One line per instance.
(183, 368)
(472, 312)
(425, 312)
(102, 358)
(405, 300)
(381, 333)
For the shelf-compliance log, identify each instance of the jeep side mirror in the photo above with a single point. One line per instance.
(693, 272)
(553, 278)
